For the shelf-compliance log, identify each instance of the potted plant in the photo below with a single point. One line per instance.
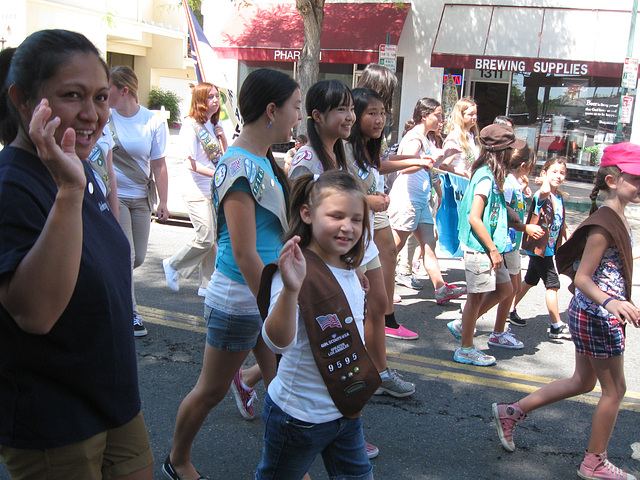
(591, 153)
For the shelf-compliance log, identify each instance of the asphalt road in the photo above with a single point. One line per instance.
(444, 431)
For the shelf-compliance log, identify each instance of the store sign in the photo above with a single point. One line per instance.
(457, 79)
(286, 55)
(536, 66)
(527, 65)
(630, 73)
(627, 109)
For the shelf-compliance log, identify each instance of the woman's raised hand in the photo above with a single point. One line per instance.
(61, 160)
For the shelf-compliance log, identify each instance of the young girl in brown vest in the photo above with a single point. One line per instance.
(599, 260)
(315, 307)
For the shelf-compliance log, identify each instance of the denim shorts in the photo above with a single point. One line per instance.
(291, 445)
(232, 332)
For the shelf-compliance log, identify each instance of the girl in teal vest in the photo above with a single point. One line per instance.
(482, 231)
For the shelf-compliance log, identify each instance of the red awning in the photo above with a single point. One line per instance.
(351, 33)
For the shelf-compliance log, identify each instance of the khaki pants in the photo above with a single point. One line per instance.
(201, 251)
(135, 220)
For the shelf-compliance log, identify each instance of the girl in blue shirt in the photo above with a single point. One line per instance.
(249, 196)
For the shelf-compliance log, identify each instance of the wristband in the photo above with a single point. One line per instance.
(604, 304)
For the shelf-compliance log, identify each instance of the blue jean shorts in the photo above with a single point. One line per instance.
(291, 445)
(232, 332)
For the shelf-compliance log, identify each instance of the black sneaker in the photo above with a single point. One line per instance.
(560, 333)
(139, 329)
(515, 319)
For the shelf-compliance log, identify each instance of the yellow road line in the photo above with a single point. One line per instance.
(424, 366)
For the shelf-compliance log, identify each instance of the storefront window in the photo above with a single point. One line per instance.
(571, 116)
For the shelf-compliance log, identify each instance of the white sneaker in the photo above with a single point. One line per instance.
(473, 357)
(505, 340)
(171, 275)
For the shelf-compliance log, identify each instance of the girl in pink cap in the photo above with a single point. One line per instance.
(598, 259)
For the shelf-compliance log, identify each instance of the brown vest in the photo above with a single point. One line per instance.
(544, 219)
(344, 364)
(570, 252)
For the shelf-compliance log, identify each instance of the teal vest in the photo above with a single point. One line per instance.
(266, 190)
(494, 216)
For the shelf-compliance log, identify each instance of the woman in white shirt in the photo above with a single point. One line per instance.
(203, 140)
(140, 141)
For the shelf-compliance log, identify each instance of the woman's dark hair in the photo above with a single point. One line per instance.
(382, 80)
(307, 191)
(498, 162)
(599, 183)
(36, 60)
(199, 99)
(424, 106)
(504, 120)
(324, 96)
(259, 89)
(520, 155)
(362, 97)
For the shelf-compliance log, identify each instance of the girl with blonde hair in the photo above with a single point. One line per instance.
(461, 147)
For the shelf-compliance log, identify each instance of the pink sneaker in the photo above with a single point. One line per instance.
(372, 450)
(506, 417)
(244, 397)
(595, 466)
(401, 333)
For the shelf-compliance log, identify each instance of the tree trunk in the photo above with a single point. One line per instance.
(312, 13)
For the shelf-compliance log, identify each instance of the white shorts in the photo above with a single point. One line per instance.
(479, 273)
(513, 261)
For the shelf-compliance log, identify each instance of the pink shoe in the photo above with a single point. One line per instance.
(401, 333)
(595, 466)
(506, 417)
(372, 450)
(396, 298)
(244, 397)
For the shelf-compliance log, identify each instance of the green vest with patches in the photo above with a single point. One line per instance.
(494, 215)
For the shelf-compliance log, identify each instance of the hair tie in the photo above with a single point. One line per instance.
(315, 177)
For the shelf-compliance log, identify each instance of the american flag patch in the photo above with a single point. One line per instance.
(326, 321)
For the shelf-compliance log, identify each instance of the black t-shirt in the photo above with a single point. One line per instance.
(80, 378)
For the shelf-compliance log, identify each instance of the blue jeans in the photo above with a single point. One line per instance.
(291, 446)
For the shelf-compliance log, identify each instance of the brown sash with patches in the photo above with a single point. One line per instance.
(346, 368)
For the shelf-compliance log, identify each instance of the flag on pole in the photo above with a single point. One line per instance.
(206, 71)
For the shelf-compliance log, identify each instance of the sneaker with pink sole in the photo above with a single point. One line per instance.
(244, 397)
(449, 292)
(400, 333)
(595, 466)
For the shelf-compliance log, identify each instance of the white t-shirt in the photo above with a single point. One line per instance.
(462, 160)
(144, 137)
(414, 188)
(298, 388)
(193, 148)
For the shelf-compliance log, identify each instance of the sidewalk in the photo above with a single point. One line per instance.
(578, 199)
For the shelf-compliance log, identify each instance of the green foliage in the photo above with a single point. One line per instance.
(159, 96)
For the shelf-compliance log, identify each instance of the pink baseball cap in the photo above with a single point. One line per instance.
(625, 156)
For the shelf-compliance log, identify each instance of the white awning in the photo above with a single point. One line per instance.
(552, 40)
